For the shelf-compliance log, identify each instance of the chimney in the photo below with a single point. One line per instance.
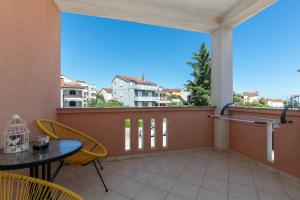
(143, 77)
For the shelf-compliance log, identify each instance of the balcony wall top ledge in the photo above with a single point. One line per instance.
(267, 111)
(119, 110)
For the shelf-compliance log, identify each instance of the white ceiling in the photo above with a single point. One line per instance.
(195, 15)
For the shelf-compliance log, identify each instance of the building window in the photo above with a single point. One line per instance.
(72, 104)
(72, 92)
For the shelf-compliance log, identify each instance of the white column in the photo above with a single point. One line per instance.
(222, 89)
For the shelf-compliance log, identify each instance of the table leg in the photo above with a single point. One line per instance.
(48, 174)
(36, 171)
(31, 172)
(44, 172)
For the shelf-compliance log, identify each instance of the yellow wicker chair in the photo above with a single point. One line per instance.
(16, 187)
(91, 151)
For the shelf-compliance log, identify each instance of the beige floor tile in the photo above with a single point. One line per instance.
(151, 193)
(174, 197)
(163, 182)
(192, 178)
(214, 184)
(271, 196)
(268, 182)
(293, 191)
(171, 172)
(185, 190)
(205, 194)
(217, 174)
(95, 192)
(129, 188)
(114, 196)
(242, 192)
(241, 179)
(113, 180)
(143, 176)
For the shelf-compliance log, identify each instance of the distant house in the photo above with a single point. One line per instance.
(250, 97)
(135, 92)
(183, 93)
(107, 93)
(71, 95)
(85, 90)
(275, 103)
(173, 91)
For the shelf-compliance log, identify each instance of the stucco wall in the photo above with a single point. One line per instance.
(251, 140)
(187, 127)
(29, 60)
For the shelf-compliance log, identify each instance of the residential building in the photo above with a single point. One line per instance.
(250, 97)
(134, 92)
(275, 103)
(71, 95)
(173, 91)
(182, 92)
(85, 90)
(107, 93)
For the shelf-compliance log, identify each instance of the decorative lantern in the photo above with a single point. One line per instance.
(16, 135)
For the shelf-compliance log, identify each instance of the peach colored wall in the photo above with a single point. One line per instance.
(250, 139)
(29, 60)
(187, 127)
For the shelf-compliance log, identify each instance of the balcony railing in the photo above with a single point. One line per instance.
(127, 131)
(146, 98)
(251, 140)
(147, 87)
(69, 96)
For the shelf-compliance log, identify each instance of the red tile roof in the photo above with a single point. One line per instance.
(176, 90)
(136, 80)
(251, 94)
(108, 90)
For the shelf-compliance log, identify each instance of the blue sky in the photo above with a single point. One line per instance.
(265, 58)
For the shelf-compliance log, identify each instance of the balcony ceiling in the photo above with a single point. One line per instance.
(194, 15)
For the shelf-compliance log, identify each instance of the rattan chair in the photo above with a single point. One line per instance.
(16, 187)
(91, 151)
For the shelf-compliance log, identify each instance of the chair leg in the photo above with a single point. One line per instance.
(100, 164)
(100, 176)
(61, 163)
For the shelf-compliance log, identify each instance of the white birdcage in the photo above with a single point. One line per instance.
(16, 135)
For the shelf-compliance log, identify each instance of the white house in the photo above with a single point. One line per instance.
(275, 103)
(250, 97)
(134, 92)
(71, 95)
(107, 93)
(88, 90)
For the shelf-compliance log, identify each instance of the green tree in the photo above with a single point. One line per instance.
(292, 103)
(237, 98)
(100, 102)
(175, 100)
(200, 86)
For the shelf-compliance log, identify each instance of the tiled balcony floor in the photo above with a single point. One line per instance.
(198, 175)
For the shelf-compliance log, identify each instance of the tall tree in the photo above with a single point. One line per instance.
(200, 86)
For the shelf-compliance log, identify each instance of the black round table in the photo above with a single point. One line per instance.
(33, 159)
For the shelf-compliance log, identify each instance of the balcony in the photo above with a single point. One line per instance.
(180, 153)
(186, 166)
(73, 97)
(147, 87)
(146, 98)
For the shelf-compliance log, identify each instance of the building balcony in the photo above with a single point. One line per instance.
(175, 159)
(146, 98)
(73, 98)
(147, 87)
